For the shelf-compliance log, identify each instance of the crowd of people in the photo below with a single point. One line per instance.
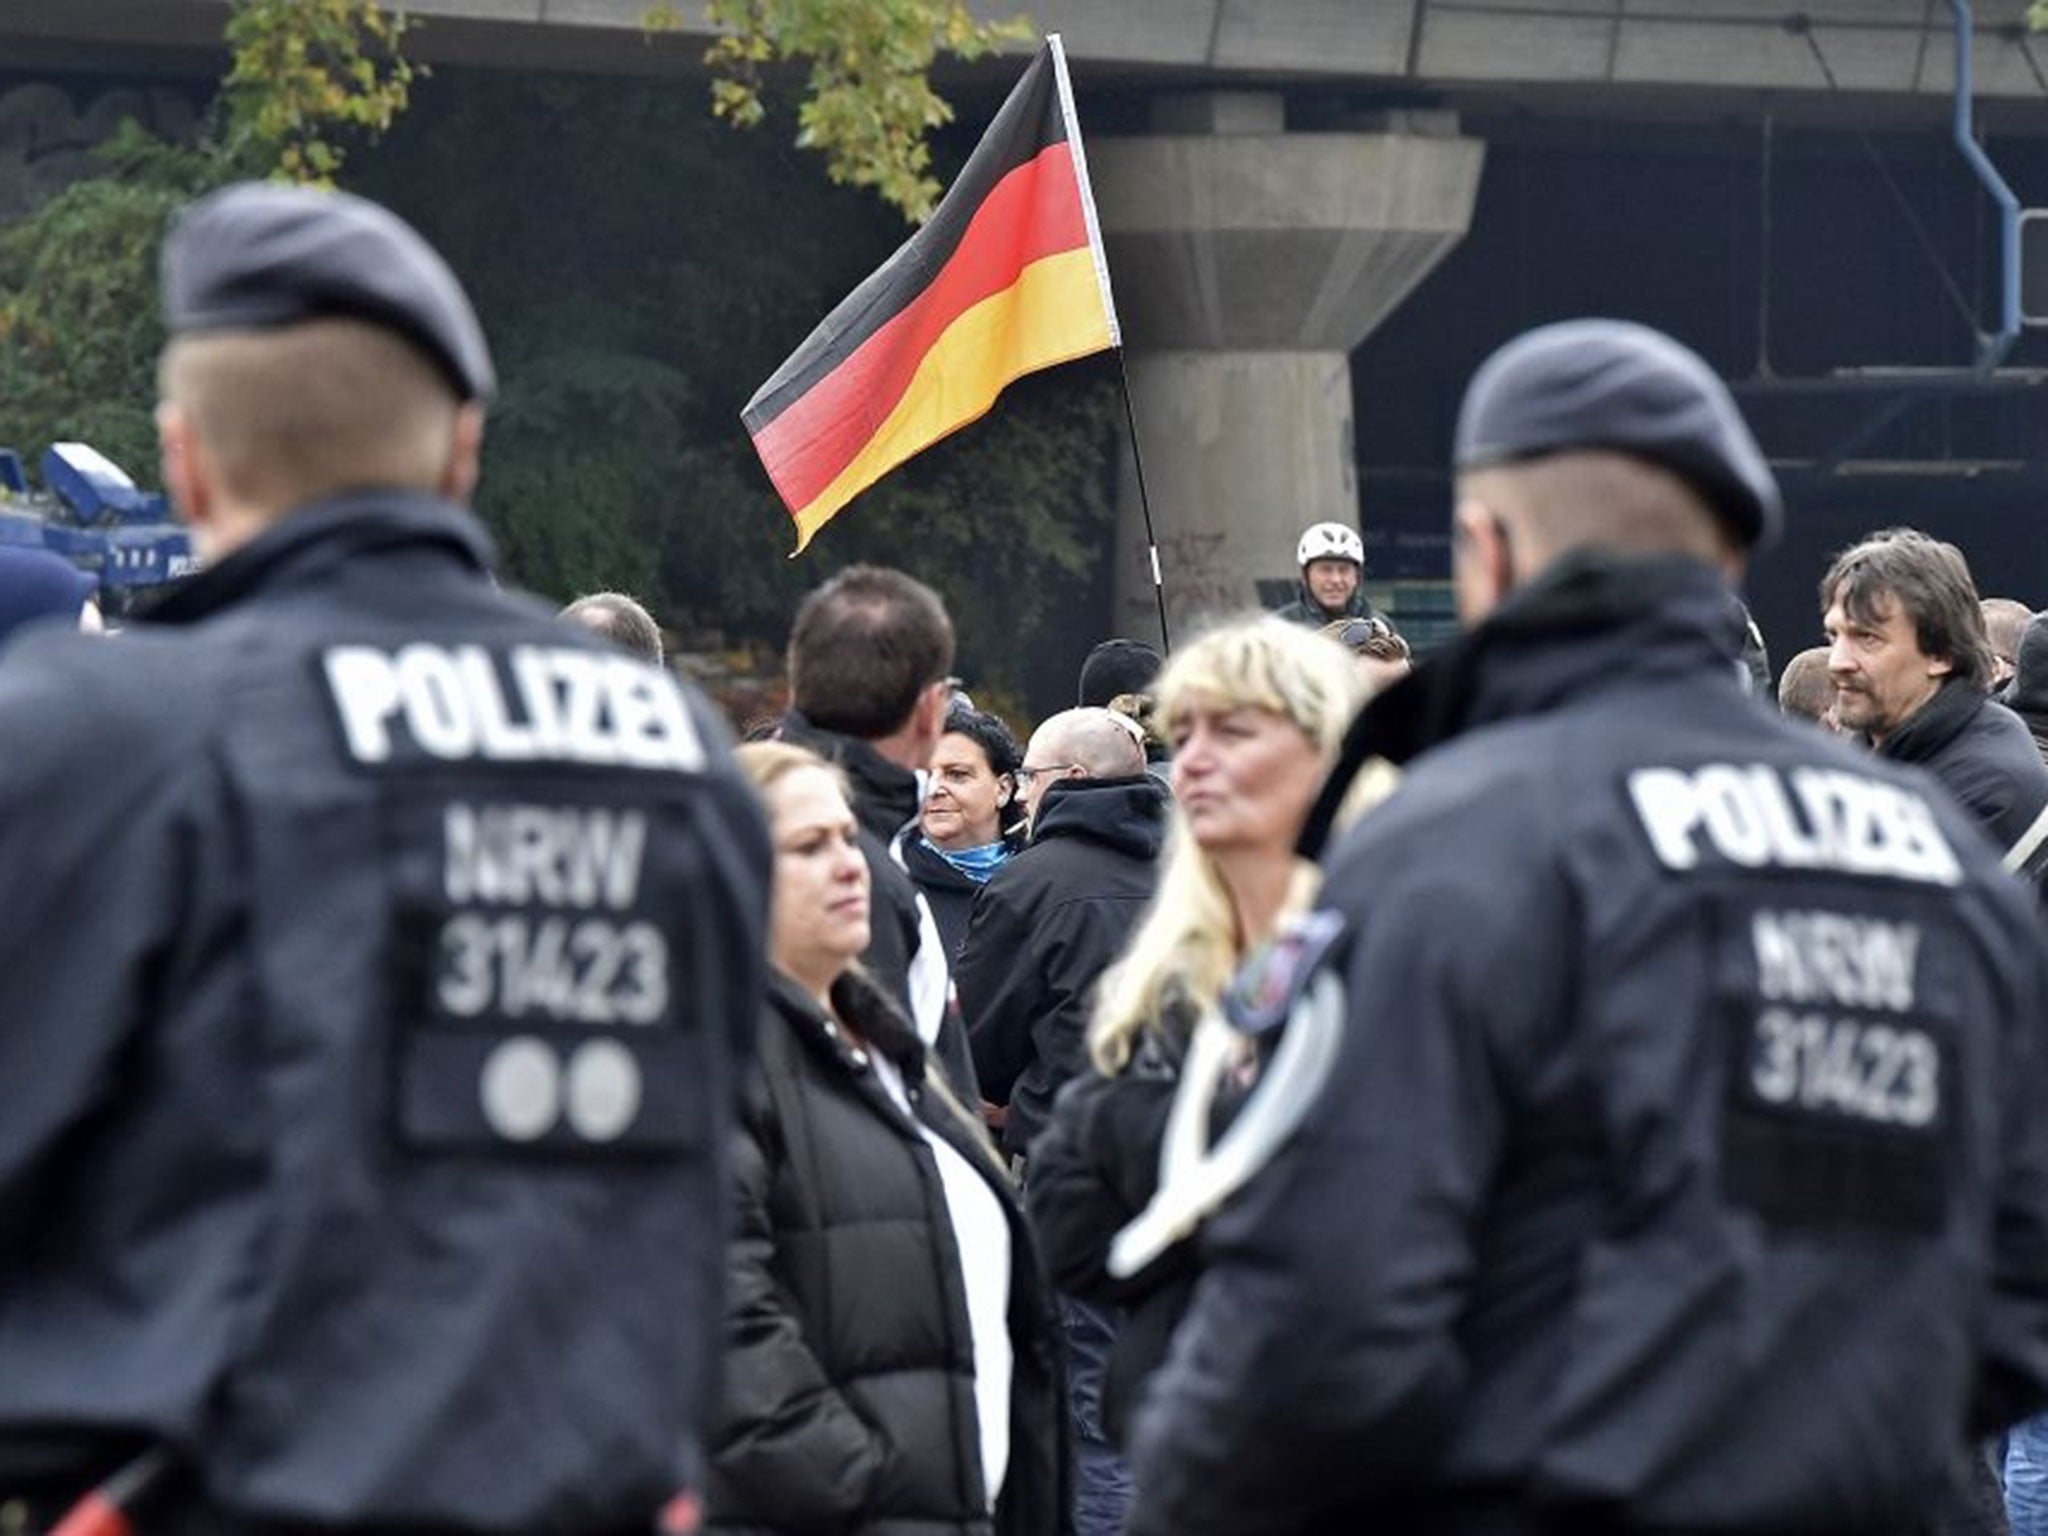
(1534, 1090)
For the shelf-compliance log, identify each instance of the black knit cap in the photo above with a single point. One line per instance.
(1117, 667)
(1612, 384)
(259, 255)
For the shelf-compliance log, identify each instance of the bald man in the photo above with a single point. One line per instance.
(1052, 918)
(1086, 743)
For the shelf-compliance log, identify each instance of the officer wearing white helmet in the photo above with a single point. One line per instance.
(1331, 557)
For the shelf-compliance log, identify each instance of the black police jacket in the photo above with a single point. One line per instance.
(1045, 928)
(1679, 1169)
(849, 1369)
(375, 959)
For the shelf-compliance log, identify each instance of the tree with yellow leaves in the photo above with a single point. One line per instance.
(307, 71)
(868, 103)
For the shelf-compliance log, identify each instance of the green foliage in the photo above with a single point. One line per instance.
(868, 104)
(306, 71)
(79, 331)
(79, 327)
(573, 482)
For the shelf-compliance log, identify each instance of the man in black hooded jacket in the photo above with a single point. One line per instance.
(1051, 920)
(868, 658)
(1679, 1166)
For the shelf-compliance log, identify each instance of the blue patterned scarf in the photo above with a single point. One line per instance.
(977, 864)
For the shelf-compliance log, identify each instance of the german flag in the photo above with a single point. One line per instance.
(1006, 278)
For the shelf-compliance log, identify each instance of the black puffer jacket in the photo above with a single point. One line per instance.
(849, 1391)
(1043, 932)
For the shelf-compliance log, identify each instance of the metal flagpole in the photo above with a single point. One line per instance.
(1145, 505)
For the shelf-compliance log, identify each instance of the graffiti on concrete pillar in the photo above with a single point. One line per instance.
(47, 137)
(1199, 576)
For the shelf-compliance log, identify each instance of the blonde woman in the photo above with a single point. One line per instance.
(1254, 713)
(891, 1353)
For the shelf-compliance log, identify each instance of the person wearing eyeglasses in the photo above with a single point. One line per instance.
(1044, 930)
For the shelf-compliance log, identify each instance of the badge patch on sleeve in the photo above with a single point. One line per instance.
(1841, 1065)
(1261, 994)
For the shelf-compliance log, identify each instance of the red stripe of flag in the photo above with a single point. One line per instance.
(1033, 212)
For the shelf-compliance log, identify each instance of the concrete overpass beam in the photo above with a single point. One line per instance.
(1248, 263)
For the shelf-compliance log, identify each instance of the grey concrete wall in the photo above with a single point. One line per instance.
(1882, 47)
(1242, 450)
(1277, 241)
(46, 137)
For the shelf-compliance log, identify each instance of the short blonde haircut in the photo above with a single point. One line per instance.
(308, 410)
(1187, 945)
(1597, 497)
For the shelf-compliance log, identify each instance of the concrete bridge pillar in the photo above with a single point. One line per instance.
(1248, 263)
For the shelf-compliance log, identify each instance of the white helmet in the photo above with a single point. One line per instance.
(1330, 541)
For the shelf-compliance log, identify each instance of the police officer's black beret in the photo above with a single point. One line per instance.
(260, 255)
(1611, 384)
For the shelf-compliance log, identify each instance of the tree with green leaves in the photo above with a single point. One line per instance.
(307, 72)
(868, 104)
(79, 331)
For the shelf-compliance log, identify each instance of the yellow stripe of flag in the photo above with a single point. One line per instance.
(1053, 312)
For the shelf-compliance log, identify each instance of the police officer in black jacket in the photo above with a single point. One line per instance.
(375, 958)
(1679, 1169)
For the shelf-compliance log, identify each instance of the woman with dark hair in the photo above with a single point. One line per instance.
(972, 819)
(891, 1363)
